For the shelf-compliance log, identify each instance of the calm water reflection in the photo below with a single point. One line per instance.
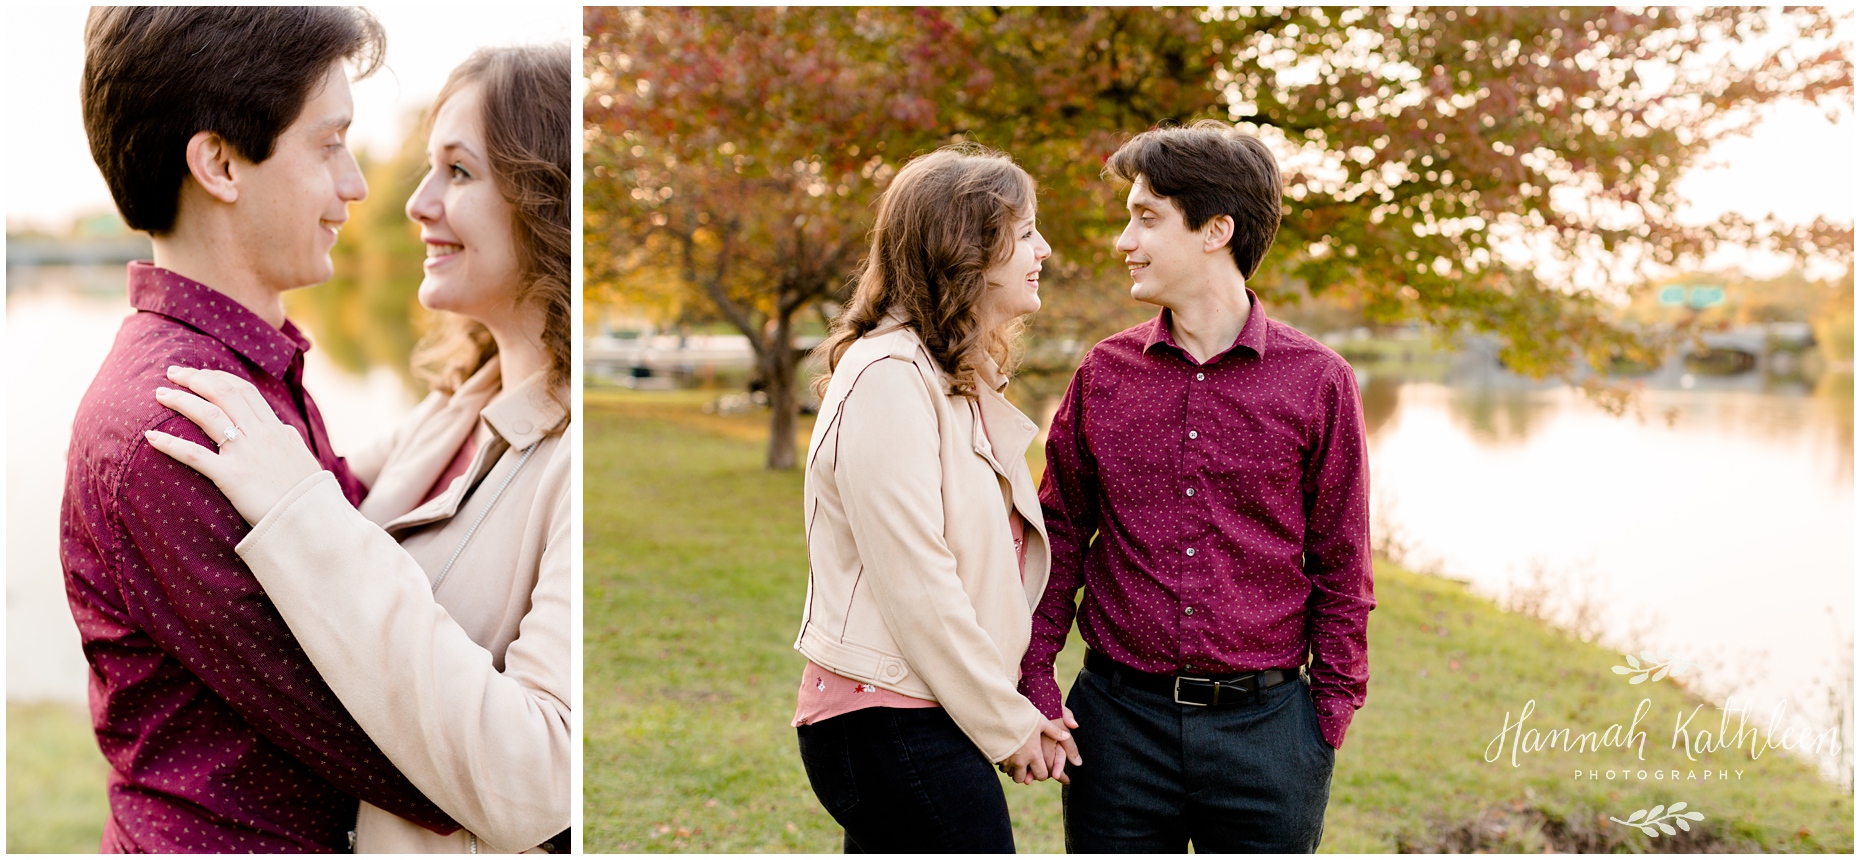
(1718, 525)
(60, 323)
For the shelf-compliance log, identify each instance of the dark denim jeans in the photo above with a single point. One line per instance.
(1158, 775)
(906, 780)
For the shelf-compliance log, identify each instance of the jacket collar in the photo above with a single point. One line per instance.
(518, 417)
(526, 411)
(987, 370)
(989, 374)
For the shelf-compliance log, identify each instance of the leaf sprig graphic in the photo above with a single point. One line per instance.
(1651, 666)
(1653, 823)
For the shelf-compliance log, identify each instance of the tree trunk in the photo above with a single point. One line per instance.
(778, 366)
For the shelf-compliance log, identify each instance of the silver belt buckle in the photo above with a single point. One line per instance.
(1178, 691)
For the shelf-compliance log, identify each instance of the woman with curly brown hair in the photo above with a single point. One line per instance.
(925, 542)
(439, 612)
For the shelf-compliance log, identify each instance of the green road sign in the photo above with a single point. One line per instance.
(1694, 296)
(1705, 297)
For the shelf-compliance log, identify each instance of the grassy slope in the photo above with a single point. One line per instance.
(55, 801)
(695, 573)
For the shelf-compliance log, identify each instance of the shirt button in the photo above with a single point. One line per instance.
(1192, 434)
(1191, 552)
(1191, 491)
(1188, 610)
(1200, 376)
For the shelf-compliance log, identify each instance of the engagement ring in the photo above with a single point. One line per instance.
(232, 432)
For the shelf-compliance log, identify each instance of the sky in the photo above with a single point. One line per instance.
(50, 177)
(1799, 163)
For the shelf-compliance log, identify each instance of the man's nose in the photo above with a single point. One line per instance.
(1125, 242)
(352, 186)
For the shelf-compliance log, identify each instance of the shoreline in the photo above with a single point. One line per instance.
(667, 658)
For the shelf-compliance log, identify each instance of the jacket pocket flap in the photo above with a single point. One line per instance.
(859, 662)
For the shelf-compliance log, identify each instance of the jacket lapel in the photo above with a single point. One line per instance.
(1014, 432)
(412, 468)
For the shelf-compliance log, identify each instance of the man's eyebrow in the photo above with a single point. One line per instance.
(336, 123)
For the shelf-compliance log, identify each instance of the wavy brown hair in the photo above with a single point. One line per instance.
(528, 123)
(946, 218)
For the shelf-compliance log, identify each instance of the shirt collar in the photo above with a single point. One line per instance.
(1252, 334)
(525, 412)
(157, 290)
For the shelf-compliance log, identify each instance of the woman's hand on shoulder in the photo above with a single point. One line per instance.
(260, 458)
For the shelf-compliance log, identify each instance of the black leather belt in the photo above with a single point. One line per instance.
(1212, 691)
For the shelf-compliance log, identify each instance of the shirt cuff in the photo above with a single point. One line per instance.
(1334, 717)
(1043, 692)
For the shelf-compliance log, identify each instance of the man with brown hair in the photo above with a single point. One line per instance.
(1207, 484)
(222, 133)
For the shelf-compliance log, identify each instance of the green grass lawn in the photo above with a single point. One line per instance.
(55, 801)
(696, 571)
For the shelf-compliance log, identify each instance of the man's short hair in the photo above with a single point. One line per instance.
(1207, 169)
(154, 76)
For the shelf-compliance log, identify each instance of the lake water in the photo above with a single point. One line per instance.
(60, 323)
(1718, 526)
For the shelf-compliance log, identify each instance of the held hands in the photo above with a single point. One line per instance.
(1060, 750)
(255, 467)
(1045, 755)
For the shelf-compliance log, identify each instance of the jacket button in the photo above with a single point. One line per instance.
(522, 426)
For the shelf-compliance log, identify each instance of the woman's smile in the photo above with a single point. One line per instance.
(439, 253)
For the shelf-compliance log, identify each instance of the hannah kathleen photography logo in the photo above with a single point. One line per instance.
(1653, 823)
(1736, 730)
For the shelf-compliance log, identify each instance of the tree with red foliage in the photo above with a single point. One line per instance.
(1459, 167)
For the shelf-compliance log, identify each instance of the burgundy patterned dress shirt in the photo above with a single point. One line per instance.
(1230, 504)
(221, 737)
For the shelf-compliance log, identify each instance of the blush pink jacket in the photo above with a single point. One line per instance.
(467, 687)
(913, 584)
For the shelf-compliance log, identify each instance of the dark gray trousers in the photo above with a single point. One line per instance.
(1159, 775)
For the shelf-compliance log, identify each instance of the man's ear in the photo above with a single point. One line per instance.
(210, 162)
(1217, 233)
